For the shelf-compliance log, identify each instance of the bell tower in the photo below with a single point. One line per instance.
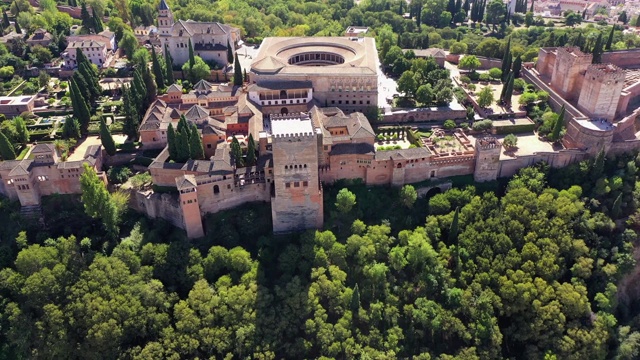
(165, 18)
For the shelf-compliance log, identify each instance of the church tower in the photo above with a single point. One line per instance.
(165, 18)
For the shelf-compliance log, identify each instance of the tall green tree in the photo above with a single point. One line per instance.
(506, 61)
(196, 148)
(130, 108)
(557, 128)
(106, 139)
(5, 20)
(87, 21)
(21, 130)
(91, 80)
(80, 107)
(192, 59)
(345, 201)
(597, 169)
(517, 66)
(97, 22)
(408, 196)
(7, 152)
(168, 61)
(251, 151)
(172, 142)
(236, 152)
(71, 128)
(597, 50)
(98, 202)
(229, 53)
(157, 70)
(610, 38)
(354, 303)
(237, 72)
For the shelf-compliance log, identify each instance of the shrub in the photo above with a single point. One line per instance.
(542, 95)
(518, 85)
(485, 77)
(510, 141)
(495, 73)
(474, 76)
(464, 126)
(119, 174)
(482, 125)
(449, 124)
(472, 87)
(527, 98)
(465, 79)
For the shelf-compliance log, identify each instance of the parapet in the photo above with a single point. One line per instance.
(294, 125)
(488, 143)
(574, 52)
(604, 72)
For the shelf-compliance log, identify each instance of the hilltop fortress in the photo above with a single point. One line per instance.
(303, 106)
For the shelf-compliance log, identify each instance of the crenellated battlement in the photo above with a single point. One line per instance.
(574, 52)
(488, 143)
(604, 72)
(310, 135)
(293, 126)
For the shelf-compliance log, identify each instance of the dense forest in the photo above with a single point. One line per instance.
(527, 269)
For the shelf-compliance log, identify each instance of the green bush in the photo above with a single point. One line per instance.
(482, 125)
(485, 77)
(142, 160)
(119, 174)
(449, 124)
(515, 129)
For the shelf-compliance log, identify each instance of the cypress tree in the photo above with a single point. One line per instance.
(517, 66)
(597, 50)
(453, 228)
(192, 59)
(638, 21)
(5, 20)
(7, 151)
(532, 2)
(71, 128)
(610, 39)
(354, 303)
(509, 92)
(84, 85)
(92, 82)
(578, 41)
(236, 152)
(87, 21)
(171, 142)
(182, 123)
(401, 9)
(451, 7)
(150, 86)
(131, 120)
(598, 165)
(237, 72)
(466, 6)
(157, 70)
(106, 139)
(18, 30)
(617, 207)
(251, 151)
(229, 53)
(505, 60)
(557, 128)
(80, 107)
(168, 60)
(97, 23)
(458, 7)
(183, 148)
(195, 143)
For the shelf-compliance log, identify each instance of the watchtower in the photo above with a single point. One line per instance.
(601, 90)
(487, 159)
(187, 187)
(296, 200)
(569, 65)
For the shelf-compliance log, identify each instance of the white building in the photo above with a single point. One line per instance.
(95, 51)
(209, 39)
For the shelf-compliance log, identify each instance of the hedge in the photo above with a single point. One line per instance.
(142, 160)
(515, 129)
(413, 138)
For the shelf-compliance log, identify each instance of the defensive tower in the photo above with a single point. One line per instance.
(487, 159)
(601, 90)
(570, 63)
(187, 187)
(296, 202)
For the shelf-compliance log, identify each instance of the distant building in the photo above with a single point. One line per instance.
(95, 51)
(40, 37)
(43, 173)
(355, 32)
(208, 39)
(106, 36)
(437, 54)
(16, 105)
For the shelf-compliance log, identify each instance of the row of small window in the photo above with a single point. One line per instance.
(23, 187)
(284, 102)
(287, 167)
(190, 201)
(296, 184)
(346, 102)
(353, 88)
(363, 161)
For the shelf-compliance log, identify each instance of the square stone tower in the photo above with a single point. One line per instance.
(187, 187)
(601, 90)
(296, 202)
(569, 65)
(487, 159)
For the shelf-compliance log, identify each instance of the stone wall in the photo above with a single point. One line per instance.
(440, 113)
(157, 206)
(623, 58)
(509, 167)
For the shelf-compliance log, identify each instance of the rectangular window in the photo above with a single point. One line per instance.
(287, 185)
(296, 184)
(305, 183)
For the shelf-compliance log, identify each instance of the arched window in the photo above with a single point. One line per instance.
(283, 94)
(216, 189)
(399, 166)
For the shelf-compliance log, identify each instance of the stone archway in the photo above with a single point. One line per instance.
(284, 110)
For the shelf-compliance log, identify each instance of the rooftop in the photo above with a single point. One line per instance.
(291, 124)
